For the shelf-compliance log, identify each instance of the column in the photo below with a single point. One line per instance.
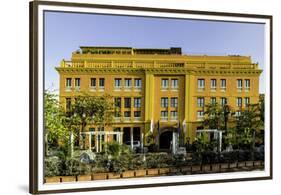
(97, 142)
(186, 105)
(90, 141)
(132, 137)
(149, 97)
(220, 140)
(100, 142)
(142, 141)
(121, 136)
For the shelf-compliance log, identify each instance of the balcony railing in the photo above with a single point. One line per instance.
(155, 64)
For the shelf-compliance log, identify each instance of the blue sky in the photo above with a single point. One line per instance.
(65, 32)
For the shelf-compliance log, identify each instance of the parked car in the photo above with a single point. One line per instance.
(136, 144)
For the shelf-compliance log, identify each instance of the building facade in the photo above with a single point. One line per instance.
(157, 90)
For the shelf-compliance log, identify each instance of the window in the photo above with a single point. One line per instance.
(93, 83)
(175, 84)
(174, 102)
(128, 83)
(77, 82)
(68, 83)
(247, 84)
(164, 115)
(200, 102)
(137, 102)
(239, 101)
(68, 103)
(174, 115)
(137, 83)
(101, 83)
(213, 84)
(201, 84)
(200, 114)
(137, 114)
(223, 84)
(239, 84)
(164, 83)
(164, 102)
(223, 101)
(117, 102)
(127, 102)
(127, 114)
(246, 101)
(117, 83)
(213, 100)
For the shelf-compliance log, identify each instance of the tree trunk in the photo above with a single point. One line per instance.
(71, 145)
(46, 145)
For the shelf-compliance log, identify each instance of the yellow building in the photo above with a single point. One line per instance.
(157, 90)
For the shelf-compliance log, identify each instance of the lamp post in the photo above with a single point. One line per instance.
(82, 130)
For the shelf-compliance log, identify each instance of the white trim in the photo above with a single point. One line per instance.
(147, 180)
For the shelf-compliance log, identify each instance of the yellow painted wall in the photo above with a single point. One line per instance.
(151, 69)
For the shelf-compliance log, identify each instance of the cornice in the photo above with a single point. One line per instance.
(158, 71)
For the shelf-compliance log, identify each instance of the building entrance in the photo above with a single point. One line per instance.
(165, 139)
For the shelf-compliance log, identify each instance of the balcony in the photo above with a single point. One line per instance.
(101, 88)
(68, 89)
(175, 88)
(164, 88)
(117, 119)
(200, 89)
(77, 88)
(93, 88)
(223, 89)
(213, 89)
(155, 64)
(239, 89)
(174, 118)
(117, 88)
(164, 118)
(137, 119)
(127, 119)
(128, 88)
(137, 88)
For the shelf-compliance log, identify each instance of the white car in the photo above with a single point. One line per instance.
(136, 144)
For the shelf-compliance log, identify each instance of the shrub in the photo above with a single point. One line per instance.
(53, 166)
(113, 148)
(71, 167)
(156, 160)
(120, 163)
(138, 161)
(230, 157)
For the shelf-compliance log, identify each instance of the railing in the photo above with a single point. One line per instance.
(143, 65)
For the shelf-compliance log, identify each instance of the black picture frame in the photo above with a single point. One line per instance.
(33, 100)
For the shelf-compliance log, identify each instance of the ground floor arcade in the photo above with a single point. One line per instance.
(165, 135)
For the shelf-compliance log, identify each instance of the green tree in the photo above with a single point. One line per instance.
(249, 124)
(250, 118)
(55, 129)
(202, 142)
(87, 109)
(216, 116)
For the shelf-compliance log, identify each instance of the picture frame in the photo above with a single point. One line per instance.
(153, 178)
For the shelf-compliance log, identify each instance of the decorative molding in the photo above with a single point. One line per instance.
(193, 71)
